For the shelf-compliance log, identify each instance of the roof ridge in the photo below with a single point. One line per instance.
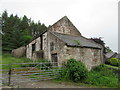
(65, 34)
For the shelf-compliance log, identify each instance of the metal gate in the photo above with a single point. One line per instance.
(13, 73)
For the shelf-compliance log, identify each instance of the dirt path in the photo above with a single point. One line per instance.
(30, 83)
(17, 82)
(45, 84)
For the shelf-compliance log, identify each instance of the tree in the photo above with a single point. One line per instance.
(107, 49)
(4, 19)
(4, 16)
(99, 41)
(18, 31)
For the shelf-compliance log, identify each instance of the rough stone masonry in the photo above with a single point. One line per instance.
(63, 41)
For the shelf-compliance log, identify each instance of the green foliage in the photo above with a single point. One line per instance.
(18, 31)
(77, 41)
(107, 61)
(114, 61)
(107, 49)
(118, 63)
(111, 66)
(9, 59)
(99, 80)
(104, 70)
(45, 64)
(101, 42)
(74, 70)
(102, 76)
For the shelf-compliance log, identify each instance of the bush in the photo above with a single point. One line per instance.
(118, 63)
(114, 61)
(74, 70)
(99, 68)
(107, 61)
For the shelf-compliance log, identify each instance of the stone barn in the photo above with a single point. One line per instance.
(63, 41)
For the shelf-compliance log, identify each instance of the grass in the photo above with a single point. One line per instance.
(7, 58)
(110, 66)
(43, 74)
(95, 78)
(101, 76)
(46, 74)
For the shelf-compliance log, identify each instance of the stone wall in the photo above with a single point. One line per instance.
(19, 52)
(58, 46)
(29, 53)
(45, 46)
(65, 26)
(90, 57)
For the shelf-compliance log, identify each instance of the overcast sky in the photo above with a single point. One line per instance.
(93, 18)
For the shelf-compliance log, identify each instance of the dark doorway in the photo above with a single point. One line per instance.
(33, 48)
(54, 59)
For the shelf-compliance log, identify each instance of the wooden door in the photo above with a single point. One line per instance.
(54, 59)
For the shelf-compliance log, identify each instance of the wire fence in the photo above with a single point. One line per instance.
(30, 71)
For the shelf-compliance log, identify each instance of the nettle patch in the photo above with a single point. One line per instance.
(74, 70)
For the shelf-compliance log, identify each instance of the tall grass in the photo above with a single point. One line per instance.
(102, 76)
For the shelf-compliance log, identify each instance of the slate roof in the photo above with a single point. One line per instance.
(113, 55)
(110, 54)
(117, 56)
(71, 40)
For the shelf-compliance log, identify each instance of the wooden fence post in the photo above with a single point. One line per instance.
(9, 74)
